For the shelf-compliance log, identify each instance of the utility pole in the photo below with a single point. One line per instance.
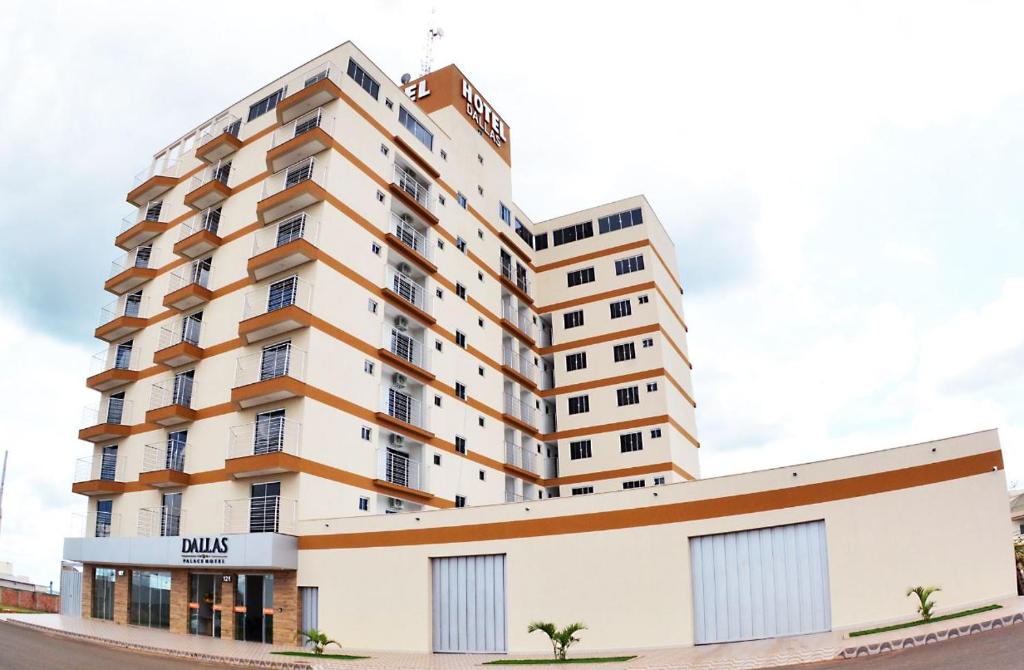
(3, 478)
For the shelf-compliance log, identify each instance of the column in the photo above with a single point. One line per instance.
(179, 601)
(122, 591)
(88, 572)
(286, 608)
(227, 612)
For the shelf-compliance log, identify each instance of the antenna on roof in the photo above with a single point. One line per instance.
(428, 50)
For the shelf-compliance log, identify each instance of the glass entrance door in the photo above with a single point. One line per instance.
(254, 608)
(204, 606)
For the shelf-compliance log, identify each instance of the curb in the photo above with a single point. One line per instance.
(930, 638)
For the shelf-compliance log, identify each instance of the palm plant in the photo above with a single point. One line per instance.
(318, 639)
(562, 639)
(924, 594)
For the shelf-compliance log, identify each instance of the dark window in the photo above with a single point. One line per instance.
(579, 404)
(632, 217)
(268, 103)
(582, 490)
(504, 213)
(584, 276)
(523, 233)
(635, 484)
(460, 501)
(368, 83)
(631, 442)
(573, 319)
(572, 233)
(620, 309)
(540, 241)
(460, 338)
(624, 266)
(580, 449)
(460, 390)
(460, 444)
(624, 352)
(576, 361)
(416, 128)
(461, 200)
(460, 291)
(628, 396)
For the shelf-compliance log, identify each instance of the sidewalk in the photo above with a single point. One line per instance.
(737, 656)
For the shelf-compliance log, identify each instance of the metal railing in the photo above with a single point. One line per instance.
(190, 274)
(410, 237)
(229, 124)
(166, 167)
(96, 524)
(208, 219)
(111, 410)
(181, 330)
(151, 212)
(407, 288)
(510, 273)
(513, 497)
(136, 258)
(545, 335)
(417, 187)
(402, 344)
(271, 363)
(114, 358)
(277, 295)
(266, 435)
(263, 514)
(401, 405)
(521, 363)
(324, 70)
(317, 118)
(98, 468)
(219, 171)
(308, 169)
(126, 305)
(295, 227)
(165, 455)
(518, 408)
(520, 457)
(399, 468)
(520, 319)
(176, 391)
(161, 521)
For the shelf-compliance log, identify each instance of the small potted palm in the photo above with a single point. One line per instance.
(561, 639)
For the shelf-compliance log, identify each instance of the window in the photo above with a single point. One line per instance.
(460, 501)
(460, 244)
(439, 293)
(632, 217)
(643, 299)
(416, 128)
(460, 338)
(375, 248)
(389, 103)
(648, 342)
(483, 476)
(460, 291)
(624, 352)
(480, 189)
(384, 149)
(368, 83)
(364, 504)
(268, 103)
(577, 361)
(579, 404)
(437, 400)
(624, 266)
(504, 213)
(480, 158)
(620, 309)
(540, 241)
(628, 396)
(441, 199)
(652, 387)
(582, 490)
(438, 345)
(371, 305)
(572, 233)
(634, 484)
(480, 421)
(460, 390)
(368, 367)
(460, 444)
(461, 200)
(480, 370)
(573, 319)
(437, 459)
(380, 196)
(364, 432)
(444, 155)
(579, 449)
(659, 481)
(655, 433)
(584, 276)
(631, 442)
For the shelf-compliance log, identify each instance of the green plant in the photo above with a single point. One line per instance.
(318, 639)
(561, 639)
(924, 594)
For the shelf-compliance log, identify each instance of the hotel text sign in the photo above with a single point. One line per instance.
(475, 108)
(204, 550)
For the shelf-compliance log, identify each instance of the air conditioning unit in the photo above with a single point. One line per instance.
(401, 323)
(395, 503)
(396, 440)
(404, 268)
(398, 380)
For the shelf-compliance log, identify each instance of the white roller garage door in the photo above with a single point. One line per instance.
(469, 603)
(760, 583)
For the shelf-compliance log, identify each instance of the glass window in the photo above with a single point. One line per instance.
(416, 128)
(628, 396)
(103, 593)
(150, 599)
(254, 608)
(573, 319)
(624, 352)
(576, 361)
(632, 217)
(631, 442)
(579, 404)
(620, 309)
(632, 264)
(204, 599)
(578, 277)
(368, 83)
(572, 233)
(261, 107)
(579, 449)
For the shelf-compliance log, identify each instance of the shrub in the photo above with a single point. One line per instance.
(924, 594)
(562, 639)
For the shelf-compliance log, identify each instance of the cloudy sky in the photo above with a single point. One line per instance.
(842, 180)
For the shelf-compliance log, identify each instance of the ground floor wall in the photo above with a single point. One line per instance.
(33, 600)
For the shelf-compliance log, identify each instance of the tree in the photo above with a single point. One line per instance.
(562, 639)
(318, 639)
(924, 593)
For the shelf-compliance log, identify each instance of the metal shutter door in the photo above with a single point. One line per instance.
(70, 592)
(760, 583)
(469, 603)
(310, 599)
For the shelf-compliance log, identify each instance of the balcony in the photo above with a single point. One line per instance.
(400, 410)
(314, 88)
(300, 139)
(130, 271)
(122, 317)
(513, 497)
(112, 368)
(403, 351)
(404, 239)
(135, 232)
(163, 464)
(209, 188)
(160, 521)
(515, 281)
(519, 414)
(405, 293)
(263, 514)
(277, 373)
(220, 141)
(170, 402)
(521, 460)
(188, 287)
(198, 235)
(96, 524)
(98, 476)
(292, 189)
(517, 322)
(268, 446)
(275, 309)
(518, 366)
(400, 474)
(109, 421)
(413, 192)
(153, 182)
(179, 343)
(283, 246)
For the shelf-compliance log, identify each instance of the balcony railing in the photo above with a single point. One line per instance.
(164, 455)
(271, 363)
(407, 288)
(520, 363)
(410, 237)
(149, 212)
(126, 305)
(163, 168)
(111, 410)
(510, 273)
(114, 358)
(177, 391)
(96, 524)
(308, 170)
(208, 219)
(136, 258)
(513, 497)
(399, 468)
(219, 171)
(162, 521)
(190, 274)
(298, 227)
(269, 435)
(517, 408)
(225, 125)
(278, 295)
(98, 468)
(417, 188)
(402, 344)
(521, 321)
(401, 405)
(317, 118)
(266, 514)
(520, 457)
(180, 330)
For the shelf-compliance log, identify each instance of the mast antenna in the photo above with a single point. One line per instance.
(433, 34)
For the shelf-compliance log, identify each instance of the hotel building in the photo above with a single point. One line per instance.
(330, 323)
